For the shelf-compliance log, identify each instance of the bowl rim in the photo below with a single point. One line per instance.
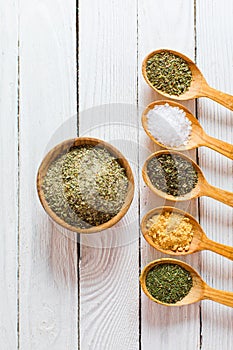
(61, 148)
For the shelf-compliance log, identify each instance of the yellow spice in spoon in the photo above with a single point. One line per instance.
(171, 231)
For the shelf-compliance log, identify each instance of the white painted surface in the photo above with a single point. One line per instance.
(114, 38)
(215, 57)
(8, 174)
(48, 289)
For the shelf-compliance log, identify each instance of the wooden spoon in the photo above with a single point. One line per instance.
(198, 292)
(202, 188)
(199, 242)
(198, 87)
(198, 136)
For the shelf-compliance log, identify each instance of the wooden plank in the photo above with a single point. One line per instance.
(109, 260)
(8, 174)
(48, 258)
(214, 57)
(166, 24)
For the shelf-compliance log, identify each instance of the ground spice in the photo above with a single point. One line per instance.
(168, 283)
(172, 174)
(86, 186)
(169, 73)
(171, 231)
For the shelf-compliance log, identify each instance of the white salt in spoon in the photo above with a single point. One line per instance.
(198, 136)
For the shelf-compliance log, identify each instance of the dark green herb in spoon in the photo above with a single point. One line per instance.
(172, 174)
(168, 283)
(169, 73)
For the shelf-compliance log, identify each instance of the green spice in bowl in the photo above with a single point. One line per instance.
(85, 185)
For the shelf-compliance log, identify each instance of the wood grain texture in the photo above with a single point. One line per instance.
(48, 287)
(218, 248)
(166, 24)
(219, 296)
(8, 174)
(220, 97)
(109, 266)
(48, 258)
(214, 58)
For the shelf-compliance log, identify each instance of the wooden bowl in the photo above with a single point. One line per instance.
(63, 148)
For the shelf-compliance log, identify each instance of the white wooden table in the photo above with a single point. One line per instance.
(55, 293)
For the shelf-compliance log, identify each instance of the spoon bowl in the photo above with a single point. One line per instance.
(198, 137)
(195, 294)
(199, 241)
(198, 87)
(194, 193)
(197, 82)
(199, 291)
(202, 188)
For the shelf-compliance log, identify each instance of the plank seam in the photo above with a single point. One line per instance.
(77, 61)
(77, 119)
(78, 279)
(139, 210)
(18, 189)
(197, 157)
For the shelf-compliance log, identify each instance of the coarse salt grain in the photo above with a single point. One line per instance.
(169, 125)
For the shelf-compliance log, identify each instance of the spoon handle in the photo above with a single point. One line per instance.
(218, 248)
(219, 296)
(218, 194)
(221, 97)
(220, 146)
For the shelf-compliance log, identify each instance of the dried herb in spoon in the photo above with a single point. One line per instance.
(172, 174)
(169, 73)
(168, 283)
